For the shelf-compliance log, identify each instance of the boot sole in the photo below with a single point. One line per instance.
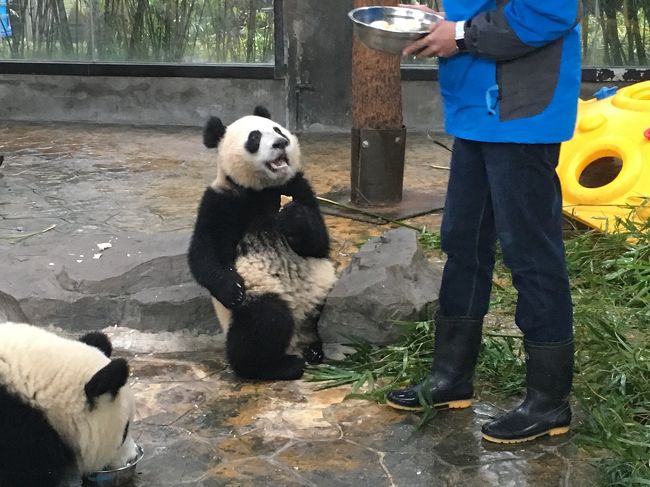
(552, 432)
(462, 404)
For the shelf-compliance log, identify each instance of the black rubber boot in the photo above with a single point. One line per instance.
(545, 411)
(449, 384)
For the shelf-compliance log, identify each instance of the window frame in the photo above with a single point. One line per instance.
(590, 74)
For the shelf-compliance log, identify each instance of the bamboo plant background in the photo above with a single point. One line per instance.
(176, 31)
(614, 32)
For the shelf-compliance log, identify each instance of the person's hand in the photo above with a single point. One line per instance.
(441, 42)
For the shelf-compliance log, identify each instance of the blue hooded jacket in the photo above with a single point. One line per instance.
(5, 26)
(519, 80)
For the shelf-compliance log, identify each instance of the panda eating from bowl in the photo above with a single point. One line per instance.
(65, 407)
(266, 267)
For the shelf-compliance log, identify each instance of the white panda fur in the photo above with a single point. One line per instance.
(267, 268)
(248, 169)
(265, 272)
(46, 373)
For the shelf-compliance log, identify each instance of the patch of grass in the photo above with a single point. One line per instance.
(501, 368)
(611, 291)
(610, 277)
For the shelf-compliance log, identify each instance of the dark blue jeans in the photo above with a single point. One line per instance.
(510, 192)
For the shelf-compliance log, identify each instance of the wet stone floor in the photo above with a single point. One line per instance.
(105, 179)
(201, 426)
(198, 424)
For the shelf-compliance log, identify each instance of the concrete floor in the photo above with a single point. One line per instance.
(198, 424)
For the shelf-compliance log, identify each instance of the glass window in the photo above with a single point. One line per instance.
(138, 31)
(614, 33)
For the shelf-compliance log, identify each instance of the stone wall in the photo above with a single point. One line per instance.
(188, 101)
(133, 100)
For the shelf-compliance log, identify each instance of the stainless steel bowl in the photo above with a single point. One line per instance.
(113, 478)
(385, 40)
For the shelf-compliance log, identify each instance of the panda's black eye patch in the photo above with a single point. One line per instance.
(253, 142)
(280, 133)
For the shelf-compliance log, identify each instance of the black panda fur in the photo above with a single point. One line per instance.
(98, 340)
(213, 132)
(32, 452)
(261, 111)
(241, 238)
(49, 460)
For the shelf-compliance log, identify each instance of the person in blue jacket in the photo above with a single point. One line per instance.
(509, 76)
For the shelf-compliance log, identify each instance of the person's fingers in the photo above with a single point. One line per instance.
(433, 27)
(420, 43)
(429, 51)
(416, 46)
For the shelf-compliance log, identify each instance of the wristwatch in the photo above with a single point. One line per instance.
(460, 36)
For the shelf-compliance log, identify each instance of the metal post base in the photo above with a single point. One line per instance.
(377, 170)
(413, 204)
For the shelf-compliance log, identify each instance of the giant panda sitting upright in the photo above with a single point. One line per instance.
(64, 407)
(266, 267)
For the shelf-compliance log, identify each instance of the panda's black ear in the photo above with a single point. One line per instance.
(213, 132)
(98, 340)
(261, 111)
(108, 380)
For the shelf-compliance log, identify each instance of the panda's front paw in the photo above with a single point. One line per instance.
(231, 291)
(313, 353)
(299, 189)
(237, 296)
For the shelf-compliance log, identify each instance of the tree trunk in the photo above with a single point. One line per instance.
(137, 29)
(585, 35)
(251, 31)
(611, 33)
(376, 84)
(635, 33)
(64, 28)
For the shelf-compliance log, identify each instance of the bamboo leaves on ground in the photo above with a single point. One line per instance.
(610, 276)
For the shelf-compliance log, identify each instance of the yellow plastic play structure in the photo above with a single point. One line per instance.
(605, 167)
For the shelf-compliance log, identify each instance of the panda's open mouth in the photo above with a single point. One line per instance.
(278, 164)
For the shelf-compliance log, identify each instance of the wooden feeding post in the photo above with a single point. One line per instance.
(378, 133)
(378, 138)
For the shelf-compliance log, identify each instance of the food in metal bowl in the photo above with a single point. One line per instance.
(391, 29)
(120, 477)
(398, 25)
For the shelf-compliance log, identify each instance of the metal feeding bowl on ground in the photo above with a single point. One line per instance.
(114, 478)
(391, 29)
